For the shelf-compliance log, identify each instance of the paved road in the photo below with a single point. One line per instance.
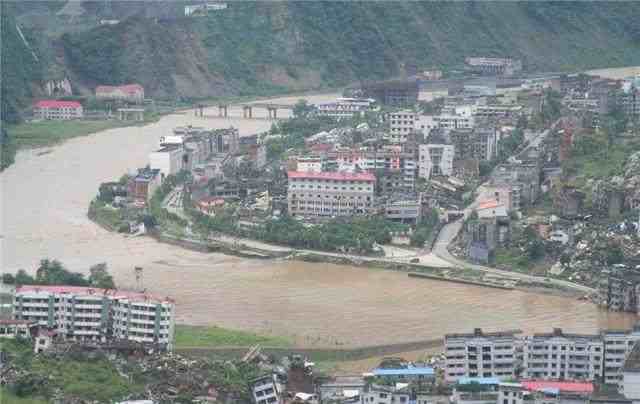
(451, 230)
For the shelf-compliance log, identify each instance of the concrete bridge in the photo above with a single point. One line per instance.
(247, 110)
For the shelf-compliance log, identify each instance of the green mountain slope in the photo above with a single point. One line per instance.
(266, 47)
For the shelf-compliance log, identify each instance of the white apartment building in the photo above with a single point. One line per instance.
(168, 159)
(452, 121)
(266, 390)
(330, 194)
(57, 110)
(378, 394)
(480, 354)
(558, 355)
(424, 124)
(617, 346)
(91, 314)
(346, 107)
(401, 124)
(510, 393)
(309, 164)
(435, 160)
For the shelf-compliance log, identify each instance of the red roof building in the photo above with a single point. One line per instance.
(563, 387)
(57, 110)
(334, 176)
(127, 92)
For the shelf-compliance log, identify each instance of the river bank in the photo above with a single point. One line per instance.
(44, 215)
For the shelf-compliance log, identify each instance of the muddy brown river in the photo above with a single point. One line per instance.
(44, 202)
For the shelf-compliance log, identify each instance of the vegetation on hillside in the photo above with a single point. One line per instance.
(262, 48)
(80, 377)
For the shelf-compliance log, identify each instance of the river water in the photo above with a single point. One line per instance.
(45, 196)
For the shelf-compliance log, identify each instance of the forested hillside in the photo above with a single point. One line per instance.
(268, 47)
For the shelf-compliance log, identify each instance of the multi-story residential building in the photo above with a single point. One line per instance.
(21, 329)
(454, 121)
(619, 291)
(328, 194)
(128, 92)
(629, 98)
(521, 179)
(267, 390)
(498, 111)
(57, 110)
(395, 166)
(629, 384)
(401, 124)
(481, 144)
(309, 164)
(558, 355)
(493, 66)
(93, 314)
(168, 160)
(393, 92)
(617, 346)
(142, 187)
(382, 394)
(346, 107)
(406, 209)
(480, 354)
(435, 160)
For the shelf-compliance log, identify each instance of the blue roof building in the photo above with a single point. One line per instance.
(408, 373)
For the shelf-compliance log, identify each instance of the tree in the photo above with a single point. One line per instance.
(8, 279)
(23, 278)
(53, 273)
(100, 278)
(302, 109)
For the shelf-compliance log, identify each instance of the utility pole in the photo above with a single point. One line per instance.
(139, 283)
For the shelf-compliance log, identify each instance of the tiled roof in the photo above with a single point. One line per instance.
(571, 387)
(130, 89)
(89, 291)
(338, 176)
(57, 104)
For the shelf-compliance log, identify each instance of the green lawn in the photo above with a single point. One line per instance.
(47, 133)
(193, 336)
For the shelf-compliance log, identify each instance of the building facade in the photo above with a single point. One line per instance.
(346, 107)
(142, 187)
(168, 160)
(401, 124)
(93, 314)
(493, 66)
(435, 160)
(328, 194)
(617, 346)
(480, 354)
(57, 110)
(558, 355)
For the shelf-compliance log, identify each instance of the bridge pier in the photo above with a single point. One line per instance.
(222, 110)
(247, 111)
(199, 111)
(273, 112)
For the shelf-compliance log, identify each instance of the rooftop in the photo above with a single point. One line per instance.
(337, 176)
(479, 380)
(126, 88)
(569, 387)
(57, 104)
(479, 333)
(408, 371)
(557, 332)
(88, 291)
